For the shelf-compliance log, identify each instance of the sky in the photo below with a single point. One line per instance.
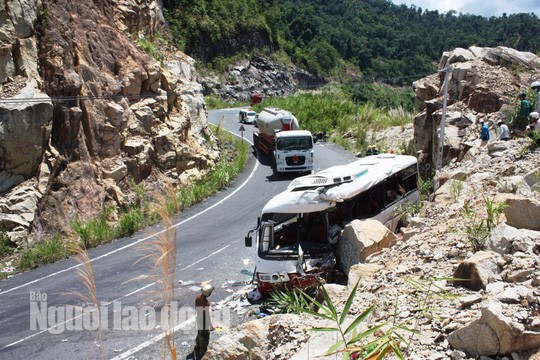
(485, 8)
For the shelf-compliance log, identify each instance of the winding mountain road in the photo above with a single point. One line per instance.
(210, 240)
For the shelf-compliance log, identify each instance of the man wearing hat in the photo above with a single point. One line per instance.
(504, 131)
(204, 323)
(535, 122)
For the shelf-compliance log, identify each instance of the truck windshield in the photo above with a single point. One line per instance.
(294, 143)
(291, 230)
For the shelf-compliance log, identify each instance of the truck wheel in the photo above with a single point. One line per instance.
(274, 166)
(255, 142)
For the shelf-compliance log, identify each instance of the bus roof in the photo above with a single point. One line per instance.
(320, 191)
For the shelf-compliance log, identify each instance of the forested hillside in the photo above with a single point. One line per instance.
(376, 38)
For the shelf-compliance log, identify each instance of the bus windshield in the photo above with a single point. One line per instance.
(290, 231)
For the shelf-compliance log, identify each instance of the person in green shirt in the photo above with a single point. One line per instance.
(525, 109)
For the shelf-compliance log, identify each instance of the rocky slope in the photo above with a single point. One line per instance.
(496, 313)
(259, 74)
(85, 113)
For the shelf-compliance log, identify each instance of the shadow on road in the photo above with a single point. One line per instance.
(266, 160)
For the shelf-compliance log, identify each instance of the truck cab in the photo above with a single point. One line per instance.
(293, 151)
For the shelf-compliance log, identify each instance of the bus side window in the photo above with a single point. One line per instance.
(410, 179)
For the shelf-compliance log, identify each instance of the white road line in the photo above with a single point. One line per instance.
(118, 299)
(159, 337)
(154, 340)
(140, 240)
(73, 318)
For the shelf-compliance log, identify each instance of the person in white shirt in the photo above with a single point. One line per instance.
(535, 123)
(504, 131)
(535, 86)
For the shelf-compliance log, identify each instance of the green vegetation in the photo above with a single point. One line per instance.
(148, 47)
(478, 227)
(455, 190)
(42, 21)
(284, 300)
(333, 111)
(382, 41)
(363, 340)
(45, 252)
(214, 102)
(353, 339)
(6, 246)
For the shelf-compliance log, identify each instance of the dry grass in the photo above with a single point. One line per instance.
(161, 251)
(86, 274)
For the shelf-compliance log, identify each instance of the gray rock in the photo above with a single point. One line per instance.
(493, 333)
(361, 238)
(520, 211)
(477, 270)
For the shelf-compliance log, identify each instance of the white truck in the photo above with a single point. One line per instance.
(280, 137)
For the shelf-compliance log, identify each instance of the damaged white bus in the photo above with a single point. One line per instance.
(299, 227)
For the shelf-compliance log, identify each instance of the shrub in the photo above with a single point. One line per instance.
(479, 228)
(48, 251)
(7, 247)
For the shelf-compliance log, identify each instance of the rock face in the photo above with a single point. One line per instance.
(259, 74)
(482, 86)
(89, 113)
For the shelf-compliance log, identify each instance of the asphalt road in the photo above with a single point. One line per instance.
(210, 242)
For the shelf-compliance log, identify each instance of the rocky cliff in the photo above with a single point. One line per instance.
(483, 85)
(84, 113)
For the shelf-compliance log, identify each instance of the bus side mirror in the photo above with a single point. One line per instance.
(249, 241)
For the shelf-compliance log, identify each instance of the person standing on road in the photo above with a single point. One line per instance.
(504, 131)
(204, 321)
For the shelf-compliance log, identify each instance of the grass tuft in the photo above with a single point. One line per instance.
(86, 275)
(48, 251)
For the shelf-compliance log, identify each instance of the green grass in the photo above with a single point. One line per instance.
(48, 251)
(221, 176)
(148, 47)
(6, 246)
(215, 102)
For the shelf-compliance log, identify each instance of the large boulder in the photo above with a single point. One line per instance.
(477, 271)
(520, 211)
(361, 238)
(494, 334)
(25, 127)
(505, 239)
